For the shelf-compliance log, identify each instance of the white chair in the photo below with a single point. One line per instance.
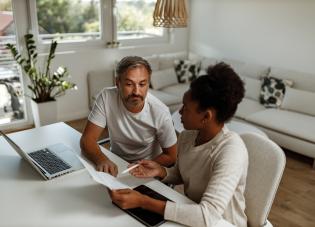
(97, 80)
(266, 165)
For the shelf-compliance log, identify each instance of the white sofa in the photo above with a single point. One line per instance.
(164, 83)
(292, 126)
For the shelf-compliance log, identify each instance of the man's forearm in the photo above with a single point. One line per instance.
(92, 151)
(165, 160)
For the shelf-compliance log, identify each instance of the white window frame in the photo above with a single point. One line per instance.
(17, 123)
(165, 38)
(108, 30)
(105, 35)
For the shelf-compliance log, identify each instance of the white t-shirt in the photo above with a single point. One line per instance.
(134, 136)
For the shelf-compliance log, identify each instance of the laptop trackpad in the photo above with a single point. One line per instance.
(67, 154)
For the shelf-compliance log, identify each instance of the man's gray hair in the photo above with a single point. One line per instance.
(132, 62)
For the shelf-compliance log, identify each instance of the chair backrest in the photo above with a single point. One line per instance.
(97, 80)
(266, 165)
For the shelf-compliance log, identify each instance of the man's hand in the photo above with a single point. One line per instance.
(93, 152)
(107, 166)
(126, 198)
(148, 168)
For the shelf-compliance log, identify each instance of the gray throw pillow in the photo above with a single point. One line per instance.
(272, 91)
(186, 70)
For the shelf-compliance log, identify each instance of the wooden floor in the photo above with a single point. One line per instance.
(294, 205)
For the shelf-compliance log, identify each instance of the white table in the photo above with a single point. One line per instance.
(71, 200)
(236, 126)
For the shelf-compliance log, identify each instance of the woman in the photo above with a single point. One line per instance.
(211, 162)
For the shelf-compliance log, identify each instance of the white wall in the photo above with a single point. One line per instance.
(271, 32)
(74, 104)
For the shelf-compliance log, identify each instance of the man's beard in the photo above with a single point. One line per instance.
(131, 99)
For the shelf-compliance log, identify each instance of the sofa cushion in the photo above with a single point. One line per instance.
(153, 61)
(272, 91)
(206, 62)
(167, 60)
(163, 78)
(299, 101)
(302, 81)
(167, 99)
(186, 70)
(287, 122)
(178, 90)
(233, 62)
(253, 70)
(247, 107)
(202, 72)
(252, 88)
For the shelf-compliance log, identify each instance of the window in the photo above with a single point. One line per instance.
(135, 19)
(64, 20)
(96, 21)
(12, 106)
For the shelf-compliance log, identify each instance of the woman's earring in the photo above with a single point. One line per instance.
(210, 115)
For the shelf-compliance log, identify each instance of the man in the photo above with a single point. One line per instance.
(139, 125)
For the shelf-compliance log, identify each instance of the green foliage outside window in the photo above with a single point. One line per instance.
(129, 18)
(5, 5)
(64, 16)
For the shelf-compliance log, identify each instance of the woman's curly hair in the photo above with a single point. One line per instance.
(221, 89)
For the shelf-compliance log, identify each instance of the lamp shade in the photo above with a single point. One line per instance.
(170, 14)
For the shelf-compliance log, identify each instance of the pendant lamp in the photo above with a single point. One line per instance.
(170, 14)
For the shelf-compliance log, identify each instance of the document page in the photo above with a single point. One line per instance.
(105, 179)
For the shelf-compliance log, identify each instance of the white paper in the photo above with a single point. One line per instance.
(105, 179)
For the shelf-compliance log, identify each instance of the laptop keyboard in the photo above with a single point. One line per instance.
(49, 161)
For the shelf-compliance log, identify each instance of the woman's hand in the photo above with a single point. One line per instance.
(148, 168)
(127, 198)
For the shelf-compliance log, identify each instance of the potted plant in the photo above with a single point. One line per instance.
(44, 85)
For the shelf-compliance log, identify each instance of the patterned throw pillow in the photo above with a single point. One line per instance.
(186, 70)
(272, 91)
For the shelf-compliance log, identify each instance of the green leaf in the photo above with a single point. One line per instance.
(44, 85)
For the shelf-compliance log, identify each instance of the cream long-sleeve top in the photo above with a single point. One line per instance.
(214, 176)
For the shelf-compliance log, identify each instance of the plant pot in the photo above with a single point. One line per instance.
(44, 113)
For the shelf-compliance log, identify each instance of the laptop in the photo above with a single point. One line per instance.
(146, 217)
(51, 161)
